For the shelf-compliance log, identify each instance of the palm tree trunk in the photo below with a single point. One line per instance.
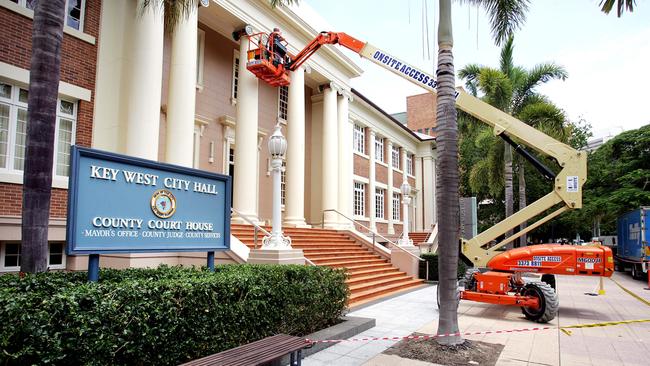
(41, 116)
(507, 157)
(522, 201)
(447, 181)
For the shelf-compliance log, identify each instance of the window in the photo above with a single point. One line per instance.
(379, 203)
(395, 157)
(283, 102)
(13, 130)
(359, 139)
(200, 51)
(74, 11)
(409, 164)
(10, 256)
(359, 199)
(283, 183)
(235, 76)
(396, 206)
(379, 149)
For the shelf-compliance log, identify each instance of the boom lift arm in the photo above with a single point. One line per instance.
(567, 184)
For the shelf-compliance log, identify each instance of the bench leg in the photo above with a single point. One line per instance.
(295, 358)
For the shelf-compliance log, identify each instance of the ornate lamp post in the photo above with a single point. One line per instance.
(277, 148)
(406, 200)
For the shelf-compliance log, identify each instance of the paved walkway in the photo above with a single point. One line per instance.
(627, 344)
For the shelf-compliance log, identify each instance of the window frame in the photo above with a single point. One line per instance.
(395, 158)
(283, 103)
(380, 203)
(200, 57)
(409, 164)
(359, 139)
(82, 15)
(359, 198)
(14, 104)
(234, 87)
(3, 253)
(379, 149)
(397, 198)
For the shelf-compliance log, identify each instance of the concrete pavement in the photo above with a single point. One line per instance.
(625, 344)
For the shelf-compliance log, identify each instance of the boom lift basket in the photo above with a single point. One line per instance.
(264, 60)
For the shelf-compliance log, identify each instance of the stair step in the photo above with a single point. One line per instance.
(328, 253)
(382, 291)
(339, 262)
(333, 256)
(361, 272)
(353, 280)
(381, 282)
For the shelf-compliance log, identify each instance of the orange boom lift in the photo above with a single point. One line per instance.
(497, 276)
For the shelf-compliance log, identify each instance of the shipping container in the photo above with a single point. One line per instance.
(633, 252)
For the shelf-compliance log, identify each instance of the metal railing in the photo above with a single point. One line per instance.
(374, 234)
(257, 228)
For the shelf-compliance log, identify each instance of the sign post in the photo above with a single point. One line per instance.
(121, 204)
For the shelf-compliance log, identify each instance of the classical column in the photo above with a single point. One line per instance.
(182, 92)
(294, 214)
(428, 198)
(330, 158)
(246, 153)
(346, 159)
(371, 180)
(389, 199)
(144, 83)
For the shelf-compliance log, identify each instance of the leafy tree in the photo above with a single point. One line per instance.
(512, 89)
(45, 71)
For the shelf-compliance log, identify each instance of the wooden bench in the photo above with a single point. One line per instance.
(260, 352)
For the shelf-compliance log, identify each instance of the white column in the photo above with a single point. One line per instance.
(371, 180)
(346, 159)
(181, 99)
(428, 192)
(145, 83)
(246, 143)
(295, 174)
(389, 199)
(330, 157)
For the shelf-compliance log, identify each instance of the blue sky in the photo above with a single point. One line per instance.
(607, 58)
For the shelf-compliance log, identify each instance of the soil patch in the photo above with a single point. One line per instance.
(469, 353)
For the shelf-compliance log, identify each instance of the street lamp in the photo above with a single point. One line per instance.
(277, 149)
(406, 200)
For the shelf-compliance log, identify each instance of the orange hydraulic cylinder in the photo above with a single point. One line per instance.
(556, 259)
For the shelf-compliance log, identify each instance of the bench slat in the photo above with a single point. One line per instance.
(261, 351)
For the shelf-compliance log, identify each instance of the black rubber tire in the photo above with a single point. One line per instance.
(549, 302)
(618, 266)
(550, 279)
(637, 273)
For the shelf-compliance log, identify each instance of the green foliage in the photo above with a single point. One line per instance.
(432, 260)
(161, 316)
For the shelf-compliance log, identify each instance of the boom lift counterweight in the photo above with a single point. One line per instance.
(502, 283)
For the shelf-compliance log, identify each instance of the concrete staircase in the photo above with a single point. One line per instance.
(370, 275)
(419, 237)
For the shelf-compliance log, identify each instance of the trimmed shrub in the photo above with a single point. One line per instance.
(432, 259)
(161, 316)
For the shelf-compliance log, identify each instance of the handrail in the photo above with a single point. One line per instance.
(257, 227)
(373, 232)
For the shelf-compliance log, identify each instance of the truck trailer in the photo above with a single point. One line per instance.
(633, 250)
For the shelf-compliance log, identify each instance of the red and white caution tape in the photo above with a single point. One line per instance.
(412, 337)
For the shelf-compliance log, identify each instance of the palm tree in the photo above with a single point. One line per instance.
(512, 89)
(44, 76)
(621, 5)
(505, 16)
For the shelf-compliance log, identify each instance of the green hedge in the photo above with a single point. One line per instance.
(432, 259)
(161, 316)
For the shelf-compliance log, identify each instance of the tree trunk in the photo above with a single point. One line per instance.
(522, 201)
(41, 121)
(507, 157)
(447, 181)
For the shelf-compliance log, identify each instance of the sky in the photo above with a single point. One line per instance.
(607, 58)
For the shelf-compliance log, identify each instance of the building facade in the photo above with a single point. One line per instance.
(185, 97)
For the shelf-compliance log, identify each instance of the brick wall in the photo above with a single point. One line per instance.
(381, 173)
(78, 67)
(421, 111)
(361, 166)
(398, 179)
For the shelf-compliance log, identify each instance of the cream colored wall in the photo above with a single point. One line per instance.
(314, 215)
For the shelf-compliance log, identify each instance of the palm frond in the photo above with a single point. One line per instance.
(506, 60)
(497, 88)
(505, 16)
(621, 5)
(174, 10)
(539, 74)
(275, 3)
(470, 73)
(547, 118)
